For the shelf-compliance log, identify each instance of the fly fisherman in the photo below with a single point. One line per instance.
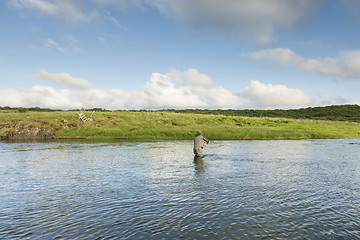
(199, 143)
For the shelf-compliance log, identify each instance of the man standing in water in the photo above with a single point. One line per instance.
(199, 144)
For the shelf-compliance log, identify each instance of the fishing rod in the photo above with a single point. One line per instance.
(206, 142)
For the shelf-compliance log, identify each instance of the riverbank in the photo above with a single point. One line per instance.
(164, 125)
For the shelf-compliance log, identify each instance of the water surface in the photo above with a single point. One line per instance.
(303, 189)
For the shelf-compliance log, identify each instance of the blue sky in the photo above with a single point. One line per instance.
(156, 54)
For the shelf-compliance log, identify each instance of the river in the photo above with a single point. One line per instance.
(293, 189)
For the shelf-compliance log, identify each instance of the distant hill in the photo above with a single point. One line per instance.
(349, 113)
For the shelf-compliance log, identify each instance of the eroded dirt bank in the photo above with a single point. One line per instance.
(27, 131)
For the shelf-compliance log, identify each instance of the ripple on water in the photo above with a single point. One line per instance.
(239, 190)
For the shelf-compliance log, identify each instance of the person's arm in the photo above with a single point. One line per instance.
(206, 140)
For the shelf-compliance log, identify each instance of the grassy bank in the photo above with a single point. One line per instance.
(164, 125)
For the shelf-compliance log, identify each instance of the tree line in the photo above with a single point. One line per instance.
(332, 113)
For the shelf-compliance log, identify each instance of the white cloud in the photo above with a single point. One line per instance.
(275, 96)
(179, 90)
(68, 43)
(256, 19)
(353, 6)
(326, 100)
(40, 5)
(260, 18)
(37, 96)
(123, 4)
(68, 10)
(345, 65)
(49, 43)
(49, 97)
(189, 89)
(63, 78)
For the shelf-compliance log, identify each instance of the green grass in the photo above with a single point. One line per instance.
(170, 125)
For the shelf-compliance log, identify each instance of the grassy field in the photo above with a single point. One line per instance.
(164, 125)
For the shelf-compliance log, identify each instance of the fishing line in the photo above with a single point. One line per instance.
(253, 127)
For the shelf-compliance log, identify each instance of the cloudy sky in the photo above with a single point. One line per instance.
(156, 54)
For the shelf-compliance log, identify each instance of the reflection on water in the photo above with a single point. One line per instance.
(304, 189)
(198, 163)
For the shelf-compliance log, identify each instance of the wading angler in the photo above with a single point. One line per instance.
(200, 142)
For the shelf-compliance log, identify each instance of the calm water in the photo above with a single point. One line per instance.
(305, 189)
